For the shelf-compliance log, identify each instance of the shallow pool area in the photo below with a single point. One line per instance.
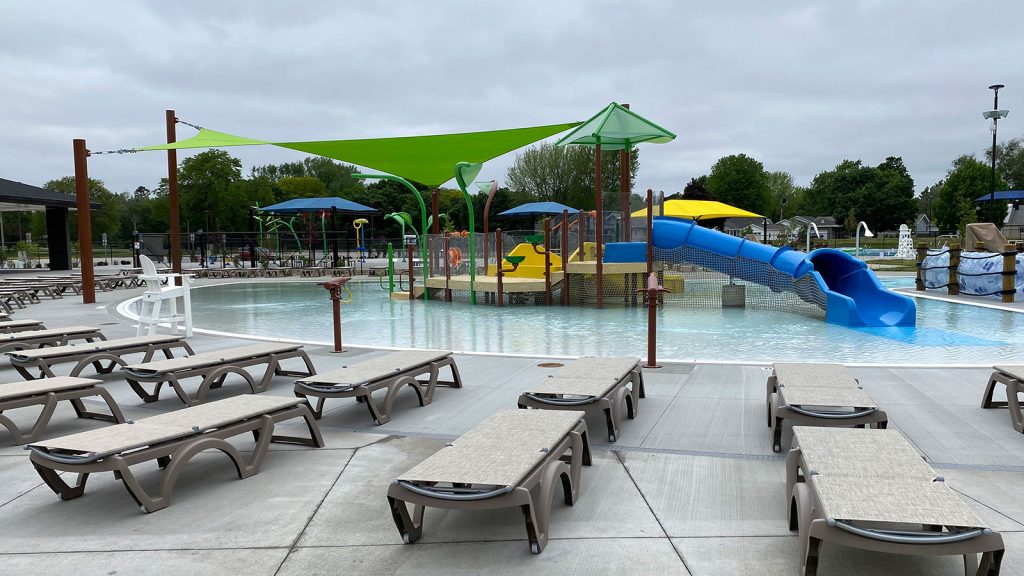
(946, 333)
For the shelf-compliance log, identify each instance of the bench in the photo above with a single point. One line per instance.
(171, 439)
(213, 367)
(391, 370)
(46, 393)
(613, 386)
(498, 464)
(95, 353)
(817, 395)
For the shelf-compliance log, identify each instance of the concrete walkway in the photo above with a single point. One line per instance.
(691, 487)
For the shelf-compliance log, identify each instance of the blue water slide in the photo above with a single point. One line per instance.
(854, 297)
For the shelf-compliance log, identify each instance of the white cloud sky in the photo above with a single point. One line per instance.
(800, 86)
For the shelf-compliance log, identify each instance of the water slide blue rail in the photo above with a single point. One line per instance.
(854, 297)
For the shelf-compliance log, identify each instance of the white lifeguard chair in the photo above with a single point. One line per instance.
(151, 311)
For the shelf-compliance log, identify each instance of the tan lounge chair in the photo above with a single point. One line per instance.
(498, 464)
(46, 393)
(611, 385)
(1013, 378)
(213, 367)
(112, 351)
(869, 489)
(172, 439)
(21, 325)
(391, 370)
(818, 395)
(48, 337)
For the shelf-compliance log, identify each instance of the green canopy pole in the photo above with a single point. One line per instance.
(423, 218)
(466, 172)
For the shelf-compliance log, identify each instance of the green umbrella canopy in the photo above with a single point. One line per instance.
(425, 159)
(617, 128)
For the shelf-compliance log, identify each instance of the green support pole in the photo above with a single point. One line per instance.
(391, 271)
(466, 172)
(423, 218)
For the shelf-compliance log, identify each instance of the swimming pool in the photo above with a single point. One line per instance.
(945, 334)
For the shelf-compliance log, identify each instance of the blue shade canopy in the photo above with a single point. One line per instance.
(538, 209)
(1004, 195)
(304, 205)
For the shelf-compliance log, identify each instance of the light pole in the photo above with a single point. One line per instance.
(867, 234)
(995, 114)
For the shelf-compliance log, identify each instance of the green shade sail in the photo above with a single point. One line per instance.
(428, 160)
(208, 139)
(616, 128)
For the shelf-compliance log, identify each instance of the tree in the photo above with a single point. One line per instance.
(291, 187)
(967, 179)
(783, 194)
(546, 172)
(696, 189)
(105, 220)
(740, 181)
(203, 183)
(926, 200)
(1010, 163)
(882, 196)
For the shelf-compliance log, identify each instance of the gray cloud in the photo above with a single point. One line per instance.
(798, 85)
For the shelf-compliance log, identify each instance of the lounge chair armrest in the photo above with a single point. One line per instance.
(833, 415)
(464, 494)
(317, 387)
(65, 459)
(561, 401)
(898, 537)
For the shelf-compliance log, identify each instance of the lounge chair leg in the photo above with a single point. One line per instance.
(610, 419)
(777, 435)
(410, 527)
(375, 413)
(986, 398)
(142, 393)
(59, 486)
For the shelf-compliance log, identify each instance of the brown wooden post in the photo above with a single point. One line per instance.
(173, 214)
(654, 291)
(624, 189)
(498, 258)
(447, 270)
(954, 265)
(599, 233)
(334, 287)
(565, 257)
(922, 251)
(435, 227)
(81, 154)
(650, 231)
(547, 261)
(1009, 272)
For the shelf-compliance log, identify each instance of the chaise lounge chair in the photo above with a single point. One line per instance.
(818, 395)
(391, 370)
(1013, 378)
(869, 489)
(9, 326)
(48, 337)
(612, 385)
(46, 393)
(95, 353)
(213, 367)
(498, 464)
(172, 439)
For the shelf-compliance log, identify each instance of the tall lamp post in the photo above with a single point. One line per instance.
(995, 114)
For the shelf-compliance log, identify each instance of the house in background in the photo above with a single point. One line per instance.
(742, 226)
(827, 226)
(923, 226)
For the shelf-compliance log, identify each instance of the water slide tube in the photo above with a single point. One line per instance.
(854, 297)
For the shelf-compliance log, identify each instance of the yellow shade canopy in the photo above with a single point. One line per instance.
(698, 210)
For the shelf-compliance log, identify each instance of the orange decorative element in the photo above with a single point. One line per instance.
(454, 257)
(465, 233)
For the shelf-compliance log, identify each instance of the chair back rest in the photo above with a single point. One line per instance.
(149, 273)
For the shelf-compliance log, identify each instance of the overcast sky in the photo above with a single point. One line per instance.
(798, 85)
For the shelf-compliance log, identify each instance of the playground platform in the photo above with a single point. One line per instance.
(509, 284)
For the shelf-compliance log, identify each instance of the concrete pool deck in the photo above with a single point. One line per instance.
(691, 487)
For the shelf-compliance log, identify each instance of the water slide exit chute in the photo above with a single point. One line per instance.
(853, 296)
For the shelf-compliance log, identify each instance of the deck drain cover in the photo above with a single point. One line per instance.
(550, 365)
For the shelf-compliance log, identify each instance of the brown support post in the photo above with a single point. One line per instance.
(624, 189)
(1009, 272)
(598, 233)
(547, 261)
(435, 228)
(172, 197)
(654, 291)
(447, 270)
(498, 258)
(487, 220)
(954, 265)
(334, 288)
(922, 251)
(84, 220)
(650, 231)
(565, 257)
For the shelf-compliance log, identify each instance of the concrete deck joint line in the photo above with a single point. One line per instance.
(653, 513)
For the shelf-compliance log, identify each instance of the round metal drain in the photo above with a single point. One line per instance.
(550, 365)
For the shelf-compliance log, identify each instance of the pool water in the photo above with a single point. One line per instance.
(945, 333)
